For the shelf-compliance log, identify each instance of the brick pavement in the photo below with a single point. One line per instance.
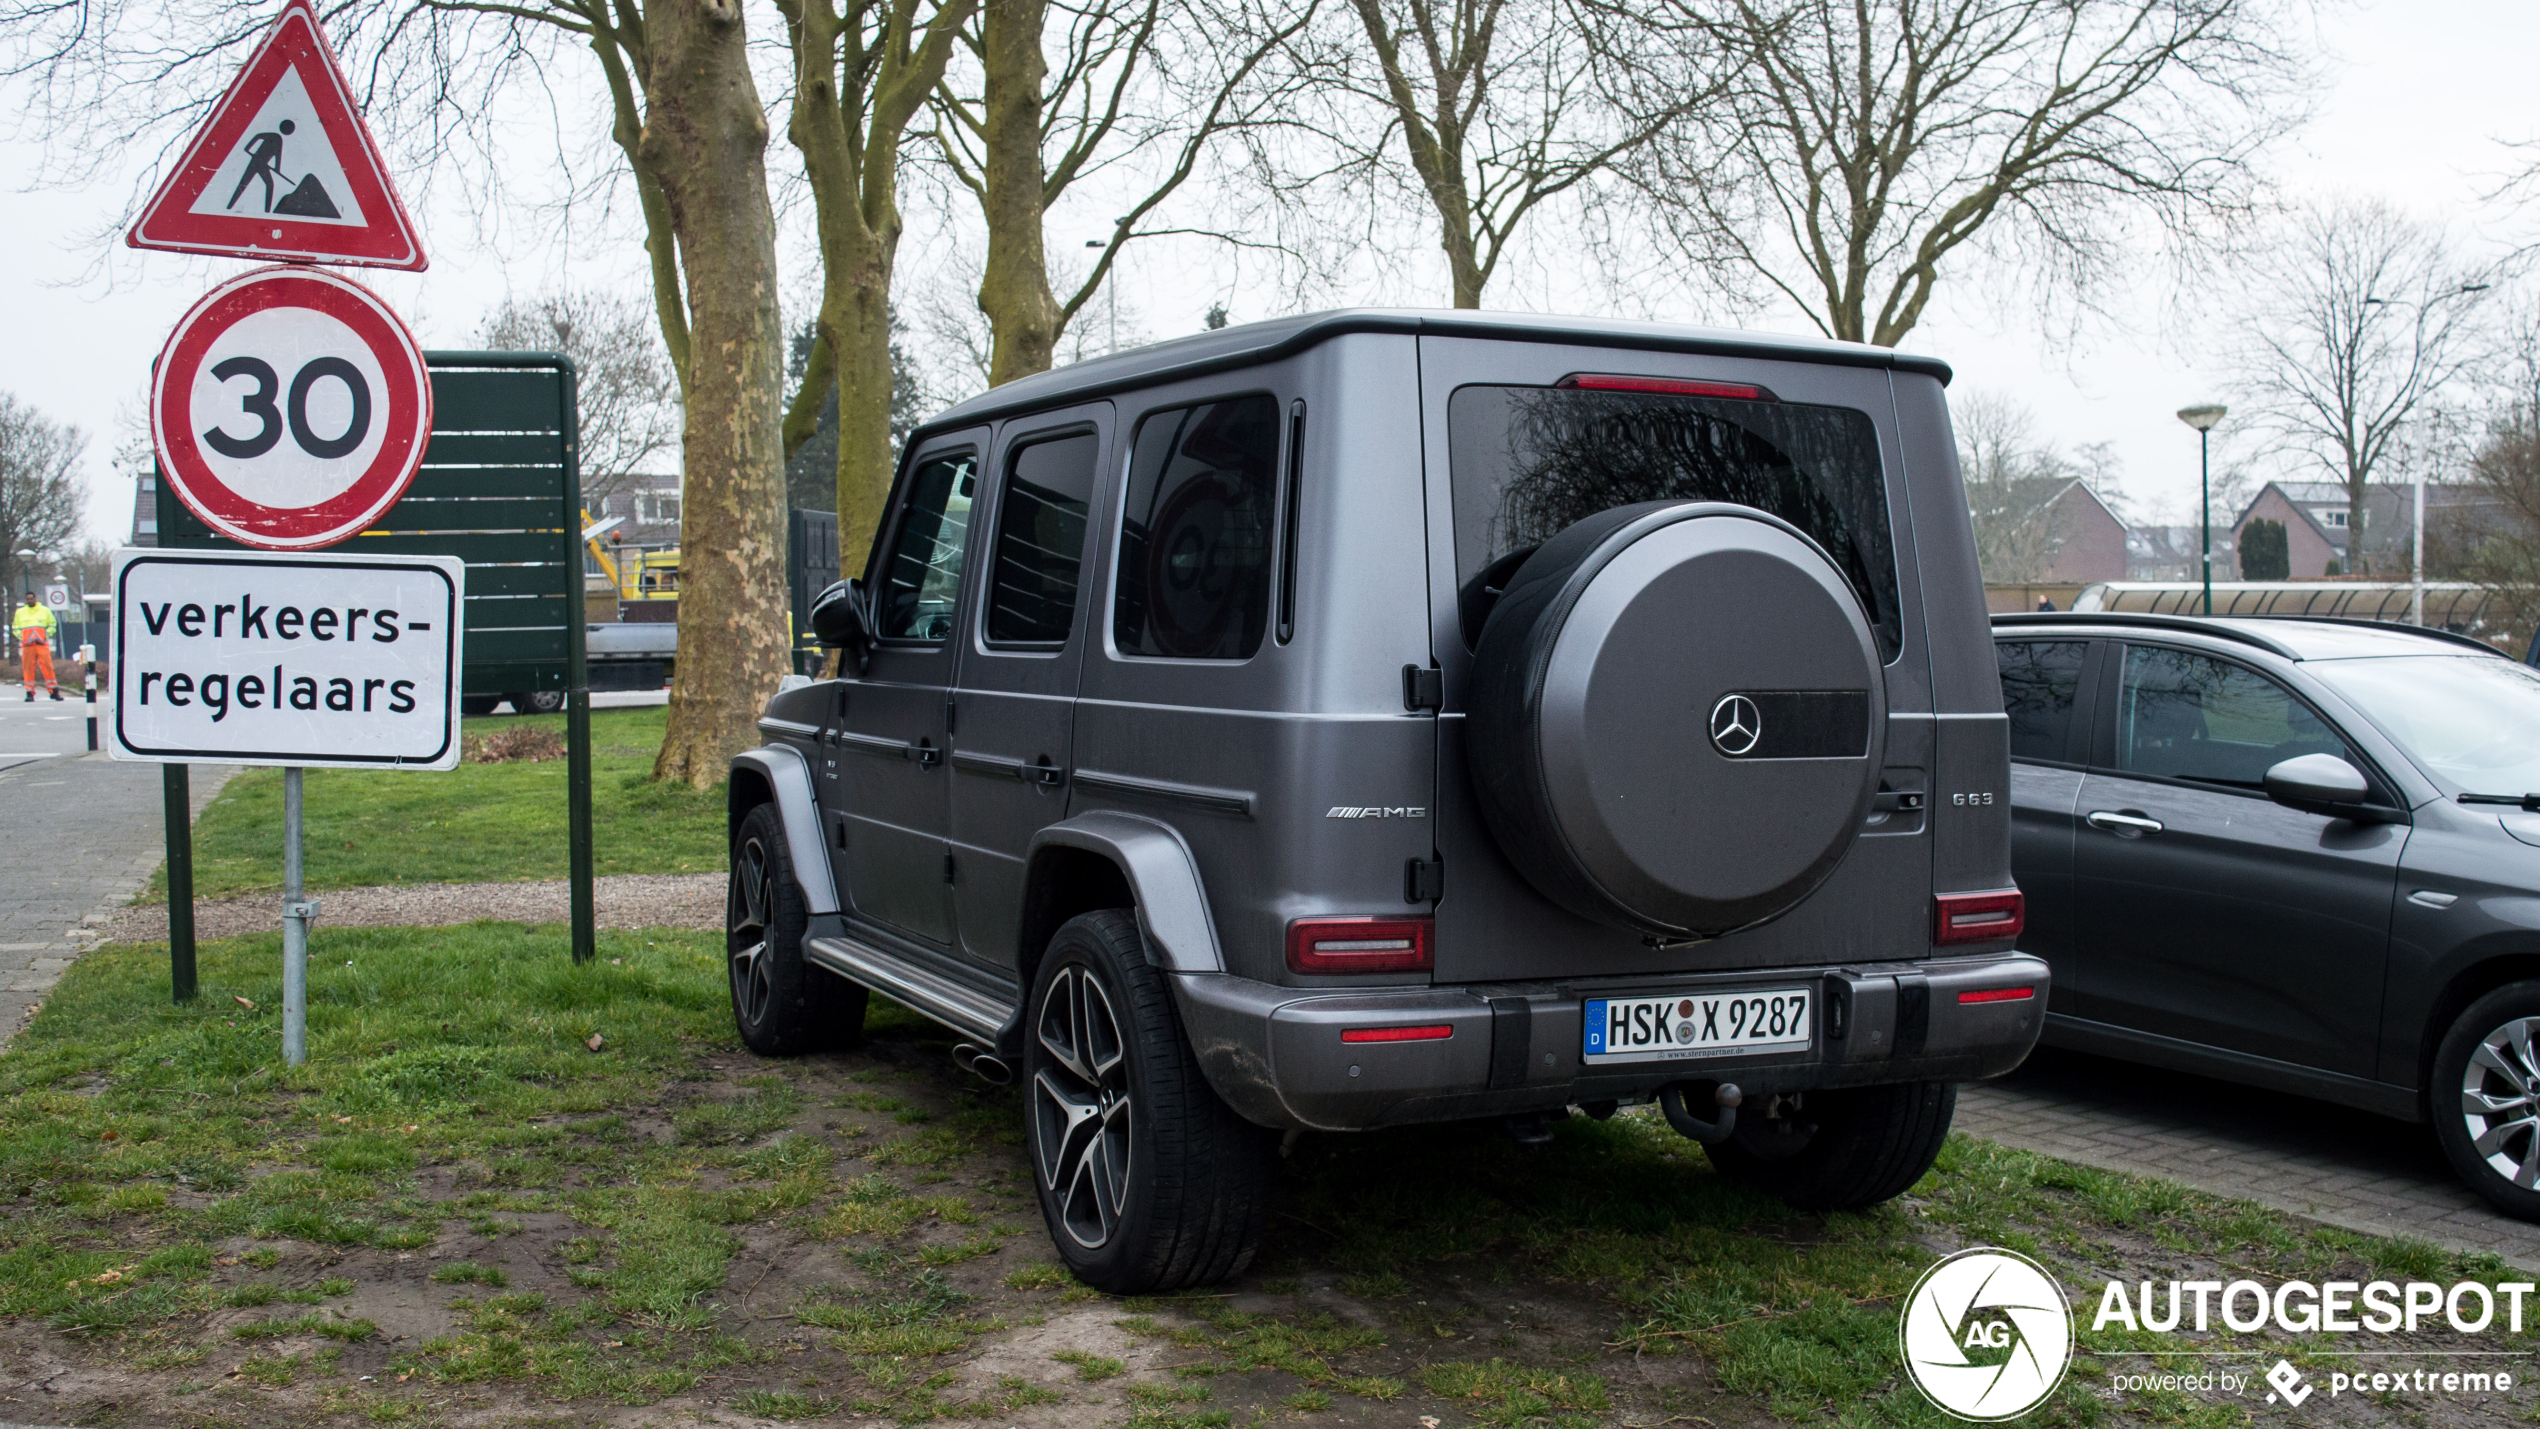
(2329, 1164)
(79, 835)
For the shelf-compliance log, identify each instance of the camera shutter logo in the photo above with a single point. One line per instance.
(1986, 1334)
(1735, 725)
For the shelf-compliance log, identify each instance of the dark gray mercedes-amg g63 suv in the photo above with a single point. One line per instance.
(1386, 717)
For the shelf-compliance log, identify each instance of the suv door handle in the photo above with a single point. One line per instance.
(1043, 773)
(926, 755)
(2131, 826)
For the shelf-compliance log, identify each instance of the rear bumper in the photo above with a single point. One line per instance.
(1276, 1055)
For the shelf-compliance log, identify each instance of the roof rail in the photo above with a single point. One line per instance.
(2430, 632)
(2194, 624)
(2213, 625)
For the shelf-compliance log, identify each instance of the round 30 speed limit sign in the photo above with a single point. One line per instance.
(290, 408)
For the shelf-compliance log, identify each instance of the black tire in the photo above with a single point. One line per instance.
(477, 706)
(2505, 1091)
(1148, 1181)
(1840, 1149)
(782, 1005)
(537, 702)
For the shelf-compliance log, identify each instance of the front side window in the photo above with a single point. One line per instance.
(2185, 716)
(922, 579)
(1194, 576)
(1527, 462)
(1041, 540)
(2039, 680)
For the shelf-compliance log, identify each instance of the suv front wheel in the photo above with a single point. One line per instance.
(1148, 1181)
(1839, 1149)
(781, 1004)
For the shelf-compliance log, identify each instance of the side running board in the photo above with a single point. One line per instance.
(965, 1010)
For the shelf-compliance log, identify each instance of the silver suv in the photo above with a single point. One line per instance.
(1386, 717)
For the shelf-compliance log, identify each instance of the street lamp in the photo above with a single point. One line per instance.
(2203, 420)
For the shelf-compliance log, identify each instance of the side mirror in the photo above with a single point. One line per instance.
(2318, 784)
(838, 617)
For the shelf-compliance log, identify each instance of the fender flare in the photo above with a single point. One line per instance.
(1172, 905)
(788, 777)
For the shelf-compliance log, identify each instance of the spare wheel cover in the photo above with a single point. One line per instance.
(1678, 723)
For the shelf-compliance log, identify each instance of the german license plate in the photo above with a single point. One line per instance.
(1664, 1029)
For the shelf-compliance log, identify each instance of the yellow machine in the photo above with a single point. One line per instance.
(635, 571)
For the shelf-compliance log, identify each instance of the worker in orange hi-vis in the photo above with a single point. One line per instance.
(36, 631)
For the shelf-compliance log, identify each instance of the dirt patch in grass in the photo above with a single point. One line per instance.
(460, 1214)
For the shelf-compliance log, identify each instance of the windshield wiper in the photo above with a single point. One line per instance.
(2528, 803)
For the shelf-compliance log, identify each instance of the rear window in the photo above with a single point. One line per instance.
(1529, 461)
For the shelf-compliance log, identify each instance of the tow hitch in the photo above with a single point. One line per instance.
(1671, 1100)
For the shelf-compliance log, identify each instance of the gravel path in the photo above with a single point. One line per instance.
(629, 900)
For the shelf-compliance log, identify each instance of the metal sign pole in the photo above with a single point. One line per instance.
(295, 929)
(177, 802)
(577, 677)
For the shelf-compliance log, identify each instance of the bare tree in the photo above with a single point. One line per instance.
(2354, 322)
(1139, 87)
(627, 395)
(2010, 478)
(1495, 108)
(39, 485)
(1863, 146)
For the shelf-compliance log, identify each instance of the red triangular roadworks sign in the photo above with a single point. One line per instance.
(284, 168)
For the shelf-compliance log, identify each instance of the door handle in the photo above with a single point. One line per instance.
(926, 755)
(2132, 826)
(1043, 773)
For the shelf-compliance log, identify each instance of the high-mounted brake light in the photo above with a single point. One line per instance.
(1978, 917)
(1436, 1032)
(1998, 994)
(1665, 386)
(1360, 945)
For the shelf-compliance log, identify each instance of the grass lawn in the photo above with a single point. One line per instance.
(461, 1212)
(476, 822)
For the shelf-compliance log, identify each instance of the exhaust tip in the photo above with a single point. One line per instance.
(980, 1062)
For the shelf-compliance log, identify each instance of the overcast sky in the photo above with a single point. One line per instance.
(2419, 96)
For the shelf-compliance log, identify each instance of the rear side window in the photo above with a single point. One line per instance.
(922, 578)
(1529, 461)
(2185, 716)
(2039, 680)
(1041, 541)
(1194, 578)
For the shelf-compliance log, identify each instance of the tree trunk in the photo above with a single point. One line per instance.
(1014, 291)
(706, 138)
(856, 311)
(2356, 490)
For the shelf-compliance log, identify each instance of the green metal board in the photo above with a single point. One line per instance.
(500, 488)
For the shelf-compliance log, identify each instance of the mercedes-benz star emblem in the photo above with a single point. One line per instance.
(1735, 725)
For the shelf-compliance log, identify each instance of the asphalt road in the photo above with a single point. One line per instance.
(78, 834)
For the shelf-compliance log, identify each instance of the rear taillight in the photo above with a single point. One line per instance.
(1998, 994)
(1435, 1032)
(1360, 945)
(1978, 917)
(1665, 386)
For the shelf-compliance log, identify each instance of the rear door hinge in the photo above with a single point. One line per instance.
(1423, 880)
(1423, 689)
(951, 708)
(948, 868)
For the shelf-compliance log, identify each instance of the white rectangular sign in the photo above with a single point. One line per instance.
(241, 657)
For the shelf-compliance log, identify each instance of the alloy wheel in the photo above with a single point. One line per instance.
(750, 905)
(1081, 1106)
(2500, 1102)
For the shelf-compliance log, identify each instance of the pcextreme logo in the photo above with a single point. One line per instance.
(1986, 1334)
